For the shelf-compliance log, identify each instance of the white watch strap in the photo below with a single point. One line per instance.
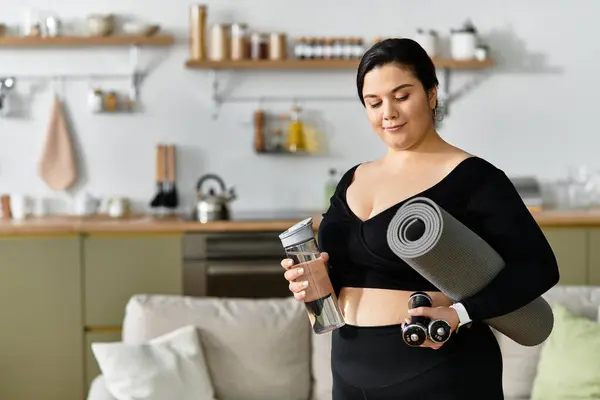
(463, 315)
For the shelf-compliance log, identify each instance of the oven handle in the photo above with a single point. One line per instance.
(244, 270)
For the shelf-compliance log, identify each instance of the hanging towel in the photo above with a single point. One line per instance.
(58, 166)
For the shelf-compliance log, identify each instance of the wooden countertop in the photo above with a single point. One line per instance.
(149, 224)
(135, 224)
(567, 218)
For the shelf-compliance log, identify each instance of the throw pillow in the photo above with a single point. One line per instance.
(171, 366)
(569, 366)
(256, 349)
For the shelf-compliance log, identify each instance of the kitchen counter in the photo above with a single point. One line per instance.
(150, 224)
(567, 218)
(134, 224)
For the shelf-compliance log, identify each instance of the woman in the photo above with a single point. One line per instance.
(397, 85)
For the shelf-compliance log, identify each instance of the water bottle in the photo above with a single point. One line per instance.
(320, 300)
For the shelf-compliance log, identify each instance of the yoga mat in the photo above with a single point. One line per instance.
(460, 263)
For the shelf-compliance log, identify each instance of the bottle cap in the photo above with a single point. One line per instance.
(299, 233)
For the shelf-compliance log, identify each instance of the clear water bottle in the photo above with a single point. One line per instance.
(320, 300)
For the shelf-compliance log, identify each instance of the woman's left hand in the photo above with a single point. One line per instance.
(444, 313)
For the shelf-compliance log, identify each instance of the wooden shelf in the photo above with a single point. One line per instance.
(319, 64)
(85, 41)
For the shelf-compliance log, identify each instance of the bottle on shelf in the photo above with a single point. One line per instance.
(259, 131)
(330, 186)
(295, 138)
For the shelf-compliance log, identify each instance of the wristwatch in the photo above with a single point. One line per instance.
(463, 315)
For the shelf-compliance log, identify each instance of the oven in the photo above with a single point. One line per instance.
(234, 264)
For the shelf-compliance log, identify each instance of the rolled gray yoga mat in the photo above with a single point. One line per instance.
(460, 263)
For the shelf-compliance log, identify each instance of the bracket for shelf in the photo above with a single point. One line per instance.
(450, 97)
(215, 98)
(218, 99)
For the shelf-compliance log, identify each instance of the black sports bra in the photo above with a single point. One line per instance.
(358, 251)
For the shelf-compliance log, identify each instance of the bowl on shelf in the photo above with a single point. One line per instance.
(137, 28)
(100, 24)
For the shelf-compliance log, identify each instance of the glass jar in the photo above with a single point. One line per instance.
(259, 47)
(277, 46)
(238, 47)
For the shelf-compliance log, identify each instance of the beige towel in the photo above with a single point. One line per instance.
(58, 166)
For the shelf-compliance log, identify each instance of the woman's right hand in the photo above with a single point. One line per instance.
(293, 275)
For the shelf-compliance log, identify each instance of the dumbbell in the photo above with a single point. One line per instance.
(421, 328)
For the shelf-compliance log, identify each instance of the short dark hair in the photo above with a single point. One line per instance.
(402, 51)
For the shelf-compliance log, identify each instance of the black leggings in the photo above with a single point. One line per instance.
(374, 363)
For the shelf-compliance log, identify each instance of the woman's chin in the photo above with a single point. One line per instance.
(397, 142)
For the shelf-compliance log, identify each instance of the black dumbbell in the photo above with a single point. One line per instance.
(420, 328)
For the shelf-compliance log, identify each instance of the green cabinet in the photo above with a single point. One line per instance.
(119, 266)
(571, 248)
(41, 340)
(594, 257)
(61, 293)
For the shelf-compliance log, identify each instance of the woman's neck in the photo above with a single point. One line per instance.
(430, 145)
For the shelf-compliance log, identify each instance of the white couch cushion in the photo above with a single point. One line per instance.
(321, 366)
(520, 362)
(169, 366)
(256, 349)
(98, 390)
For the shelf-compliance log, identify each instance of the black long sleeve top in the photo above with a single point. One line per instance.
(479, 195)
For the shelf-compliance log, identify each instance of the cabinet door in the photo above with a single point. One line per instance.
(570, 245)
(594, 262)
(119, 266)
(41, 335)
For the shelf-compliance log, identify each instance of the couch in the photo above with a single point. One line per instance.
(259, 348)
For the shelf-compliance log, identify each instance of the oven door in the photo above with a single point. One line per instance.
(235, 278)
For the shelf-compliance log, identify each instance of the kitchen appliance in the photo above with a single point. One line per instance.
(213, 206)
(234, 264)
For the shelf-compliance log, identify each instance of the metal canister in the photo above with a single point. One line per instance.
(238, 46)
(277, 46)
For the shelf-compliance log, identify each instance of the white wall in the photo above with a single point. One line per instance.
(534, 114)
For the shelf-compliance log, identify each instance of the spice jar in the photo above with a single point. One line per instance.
(238, 47)
(299, 48)
(258, 47)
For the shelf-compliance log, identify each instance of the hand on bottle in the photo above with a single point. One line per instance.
(292, 274)
(435, 313)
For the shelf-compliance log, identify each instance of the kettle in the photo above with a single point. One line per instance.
(211, 206)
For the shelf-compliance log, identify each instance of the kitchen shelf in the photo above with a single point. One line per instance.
(292, 64)
(283, 152)
(445, 65)
(85, 41)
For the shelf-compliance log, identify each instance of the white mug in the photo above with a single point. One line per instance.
(19, 206)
